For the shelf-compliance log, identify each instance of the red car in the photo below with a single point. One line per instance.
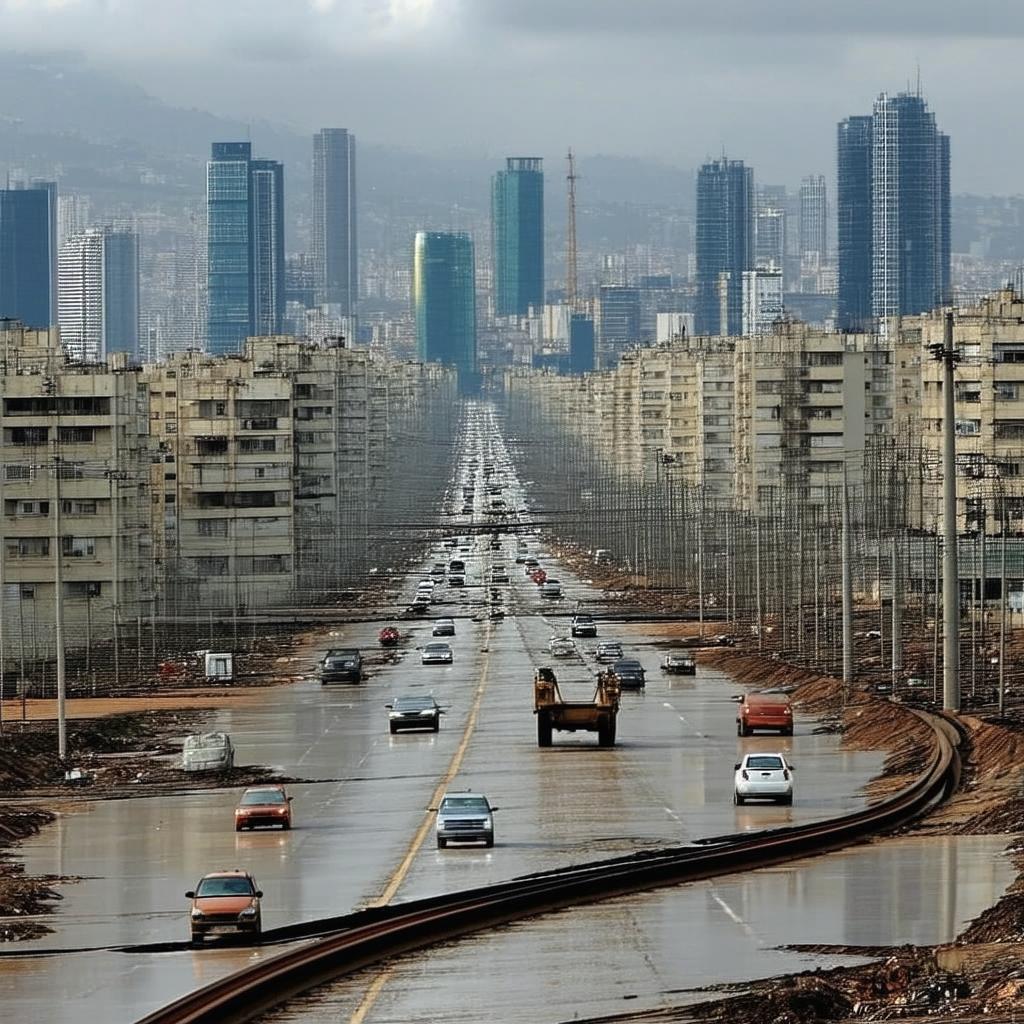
(764, 711)
(539, 577)
(264, 805)
(225, 901)
(389, 637)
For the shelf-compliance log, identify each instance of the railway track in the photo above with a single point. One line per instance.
(345, 945)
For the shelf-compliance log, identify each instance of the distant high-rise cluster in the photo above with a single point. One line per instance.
(517, 233)
(725, 244)
(335, 256)
(245, 251)
(893, 208)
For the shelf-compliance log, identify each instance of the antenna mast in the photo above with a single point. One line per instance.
(570, 238)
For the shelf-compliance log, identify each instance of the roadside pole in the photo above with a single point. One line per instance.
(950, 564)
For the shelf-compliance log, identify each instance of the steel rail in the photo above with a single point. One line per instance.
(358, 940)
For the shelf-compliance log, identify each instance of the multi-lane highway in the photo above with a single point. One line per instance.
(363, 828)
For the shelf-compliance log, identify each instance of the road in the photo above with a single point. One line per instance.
(363, 828)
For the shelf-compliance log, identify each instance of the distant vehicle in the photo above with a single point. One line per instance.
(602, 556)
(539, 576)
(467, 510)
(456, 580)
(764, 711)
(414, 712)
(499, 574)
(264, 805)
(763, 776)
(437, 654)
(225, 901)
(389, 636)
(679, 664)
(609, 650)
(551, 588)
(724, 640)
(437, 569)
(208, 752)
(426, 585)
(631, 674)
(457, 565)
(444, 627)
(583, 625)
(421, 602)
(561, 647)
(342, 665)
(531, 565)
(465, 818)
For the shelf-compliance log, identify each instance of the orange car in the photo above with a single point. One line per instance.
(764, 711)
(225, 901)
(264, 805)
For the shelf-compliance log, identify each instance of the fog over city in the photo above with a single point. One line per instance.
(669, 80)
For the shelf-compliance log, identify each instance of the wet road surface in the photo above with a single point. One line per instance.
(668, 780)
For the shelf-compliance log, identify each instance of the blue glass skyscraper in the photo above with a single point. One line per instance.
(894, 213)
(853, 215)
(517, 235)
(27, 281)
(725, 244)
(245, 246)
(444, 300)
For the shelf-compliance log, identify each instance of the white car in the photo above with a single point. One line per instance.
(763, 777)
(561, 647)
(551, 588)
(437, 654)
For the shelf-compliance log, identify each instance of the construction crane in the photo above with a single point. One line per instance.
(570, 238)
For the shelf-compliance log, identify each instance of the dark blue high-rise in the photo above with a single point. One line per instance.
(27, 280)
(725, 244)
(245, 246)
(894, 213)
(517, 235)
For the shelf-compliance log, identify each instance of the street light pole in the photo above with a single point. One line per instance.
(58, 608)
(950, 564)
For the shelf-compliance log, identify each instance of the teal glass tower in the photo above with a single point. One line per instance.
(517, 234)
(245, 246)
(444, 299)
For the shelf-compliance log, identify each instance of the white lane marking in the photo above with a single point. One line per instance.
(733, 916)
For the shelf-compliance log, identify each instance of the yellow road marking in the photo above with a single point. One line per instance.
(372, 994)
(396, 880)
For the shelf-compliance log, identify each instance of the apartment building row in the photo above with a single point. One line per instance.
(197, 484)
(778, 417)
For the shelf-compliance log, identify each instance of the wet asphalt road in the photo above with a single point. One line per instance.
(357, 819)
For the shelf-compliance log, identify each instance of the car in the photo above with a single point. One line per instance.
(631, 674)
(456, 580)
(467, 510)
(437, 654)
(208, 752)
(764, 711)
(414, 712)
(437, 569)
(602, 556)
(763, 776)
(443, 627)
(583, 625)
(530, 565)
(551, 588)
(679, 664)
(264, 805)
(561, 647)
(457, 565)
(342, 665)
(426, 586)
(499, 574)
(465, 818)
(225, 901)
(422, 601)
(539, 576)
(608, 650)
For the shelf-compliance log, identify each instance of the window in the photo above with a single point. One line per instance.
(28, 592)
(26, 508)
(214, 565)
(27, 435)
(212, 527)
(27, 547)
(78, 508)
(83, 588)
(253, 445)
(968, 428)
(78, 547)
(211, 445)
(1006, 392)
(12, 471)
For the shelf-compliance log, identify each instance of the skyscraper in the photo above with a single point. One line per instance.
(444, 300)
(245, 246)
(619, 321)
(27, 227)
(853, 219)
(894, 212)
(517, 235)
(725, 244)
(813, 217)
(910, 244)
(99, 294)
(335, 256)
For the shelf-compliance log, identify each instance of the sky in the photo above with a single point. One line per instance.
(670, 80)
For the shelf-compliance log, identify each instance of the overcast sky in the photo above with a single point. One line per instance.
(675, 80)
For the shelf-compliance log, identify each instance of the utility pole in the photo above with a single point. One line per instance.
(950, 566)
(847, 590)
(570, 237)
(897, 625)
(58, 615)
(1002, 613)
